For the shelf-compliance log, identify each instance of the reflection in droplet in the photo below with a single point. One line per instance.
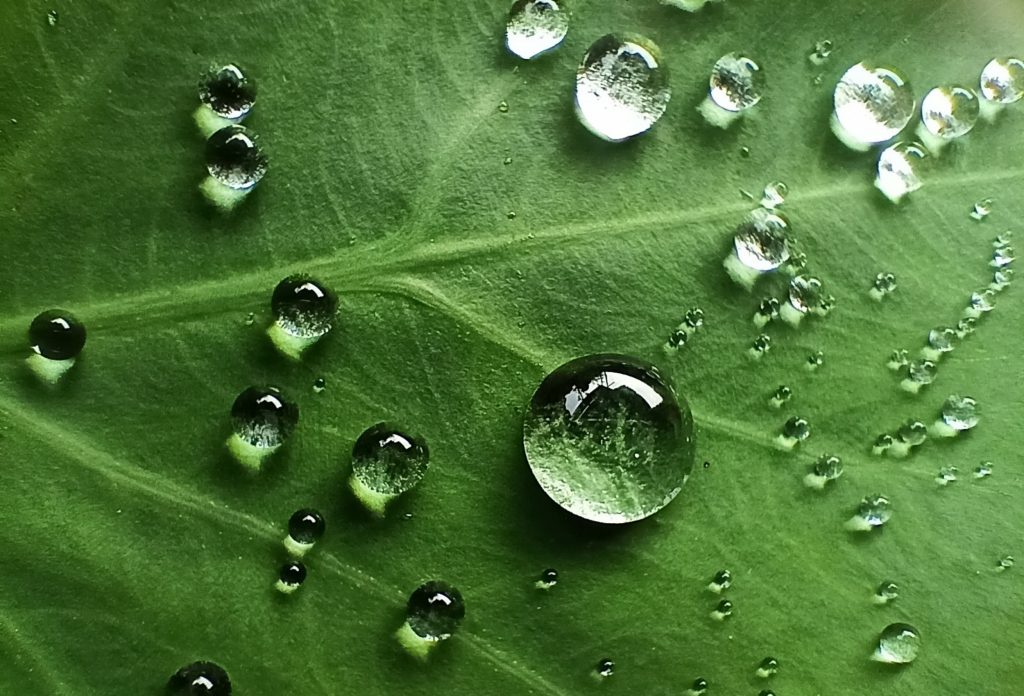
(872, 105)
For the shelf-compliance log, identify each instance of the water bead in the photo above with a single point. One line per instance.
(304, 311)
(767, 310)
(768, 668)
(56, 338)
(882, 444)
(736, 85)
(886, 592)
(774, 195)
(698, 688)
(694, 318)
(622, 89)
(872, 512)
(722, 611)
(946, 475)
(291, 577)
(721, 581)
(605, 668)
(959, 414)
(608, 439)
(898, 644)
(689, 5)
(948, 112)
(305, 528)
(536, 27)
(547, 580)
(899, 168)
(433, 613)
(1002, 80)
(236, 163)
(262, 419)
(1004, 564)
(794, 431)
(983, 470)
(821, 52)
(827, 468)
(228, 92)
(805, 296)
(761, 345)
(201, 678)
(981, 209)
(883, 286)
(872, 105)
(781, 396)
(920, 374)
(760, 244)
(387, 461)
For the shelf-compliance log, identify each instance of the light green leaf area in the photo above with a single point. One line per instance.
(133, 545)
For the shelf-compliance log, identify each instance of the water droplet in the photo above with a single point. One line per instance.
(882, 444)
(688, 5)
(722, 611)
(503, 107)
(305, 528)
(433, 613)
(698, 688)
(605, 668)
(883, 285)
(511, 215)
(980, 303)
(965, 327)
(694, 318)
(982, 209)
(821, 53)
(262, 419)
(760, 244)
(815, 360)
(52, 17)
(872, 512)
(745, 152)
(765, 692)
(234, 159)
(1004, 564)
(676, 340)
(304, 311)
(794, 431)
(920, 373)
(250, 319)
(946, 475)
(1003, 256)
(898, 644)
(768, 668)
(774, 195)
(386, 463)
(200, 679)
(721, 581)
(319, 385)
(872, 105)
(781, 396)
(959, 413)
(898, 358)
(56, 338)
(291, 577)
(535, 27)
(983, 470)
(547, 580)
(608, 440)
(899, 166)
(950, 112)
(912, 433)
(1002, 80)
(767, 310)
(228, 92)
(805, 296)
(887, 592)
(761, 345)
(827, 468)
(621, 87)
(736, 85)
(507, 161)
(941, 341)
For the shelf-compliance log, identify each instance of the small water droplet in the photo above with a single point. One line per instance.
(250, 319)
(920, 373)
(1002, 80)
(821, 52)
(794, 431)
(805, 297)
(56, 338)
(774, 195)
(1003, 256)
(234, 158)
(694, 318)
(737, 83)
(291, 577)
(386, 463)
(760, 244)
(608, 440)
(698, 688)
(433, 613)
(765, 692)
(965, 327)
(815, 360)
(898, 644)
(621, 87)
(980, 303)
(887, 592)
(305, 528)
(872, 105)
(605, 668)
(547, 580)
(882, 444)
(535, 27)
(982, 209)
(676, 340)
(883, 285)
(511, 215)
(745, 152)
(319, 385)
(780, 397)
(200, 679)
(946, 475)
(898, 358)
(721, 581)
(768, 668)
(722, 611)
(899, 168)
(827, 468)
(983, 470)
(228, 92)
(913, 433)
(942, 340)
(1004, 564)
(262, 419)
(52, 17)
(950, 112)
(503, 107)
(507, 161)
(761, 345)
(767, 310)
(872, 512)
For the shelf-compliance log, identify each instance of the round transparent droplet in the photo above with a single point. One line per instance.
(435, 610)
(946, 475)
(885, 283)
(950, 112)
(1005, 563)
(737, 82)
(913, 433)
(694, 318)
(228, 92)
(761, 344)
(234, 158)
(1002, 80)
(306, 526)
(982, 302)
(888, 591)
(535, 27)
(873, 104)
(874, 510)
(769, 307)
(388, 461)
(922, 371)
(983, 470)
(899, 169)
(303, 307)
(699, 687)
(828, 467)
(783, 394)
(622, 89)
(605, 668)
(761, 241)
(982, 209)
(960, 412)
(608, 439)
(769, 667)
(797, 428)
(548, 578)
(200, 679)
(263, 417)
(722, 580)
(56, 335)
(774, 195)
(805, 294)
(942, 340)
(898, 644)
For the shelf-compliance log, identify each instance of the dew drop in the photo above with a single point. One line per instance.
(52, 17)
(1004, 564)
(200, 679)
(980, 303)
(745, 152)
(794, 431)
(950, 112)
(941, 341)
(676, 340)
(883, 286)
(304, 310)
(872, 512)
(290, 578)
(768, 668)
(982, 209)
(722, 611)
(983, 470)
(815, 360)
(774, 195)
(919, 374)
(228, 92)
(946, 475)
(1002, 80)
(507, 161)
(959, 413)
(767, 310)
(234, 159)
(826, 469)
(694, 318)
(250, 319)
(912, 433)
(56, 338)
(605, 668)
(765, 692)
(761, 345)
(688, 5)
(511, 215)
(872, 105)
(386, 463)
(305, 528)
(887, 592)
(760, 244)
(535, 27)
(821, 52)
(547, 579)
(965, 327)
(883, 443)
(736, 85)
(721, 581)
(805, 296)
(898, 644)
(433, 613)
(898, 359)
(262, 419)
(503, 107)
(1003, 256)
(698, 688)
(899, 168)
(621, 87)
(608, 440)
(780, 397)
(319, 385)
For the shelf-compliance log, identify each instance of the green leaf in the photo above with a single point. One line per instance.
(133, 544)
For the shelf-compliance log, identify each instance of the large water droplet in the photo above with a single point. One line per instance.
(1002, 80)
(872, 105)
(386, 462)
(898, 644)
(433, 613)
(228, 92)
(794, 431)
(950, 112)
(872, 512)
(621, 87)
(608, 439)
(262, 419)
(305, 528)
(899, 168)
(760, 244)
(535, 27)
(200, 679)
